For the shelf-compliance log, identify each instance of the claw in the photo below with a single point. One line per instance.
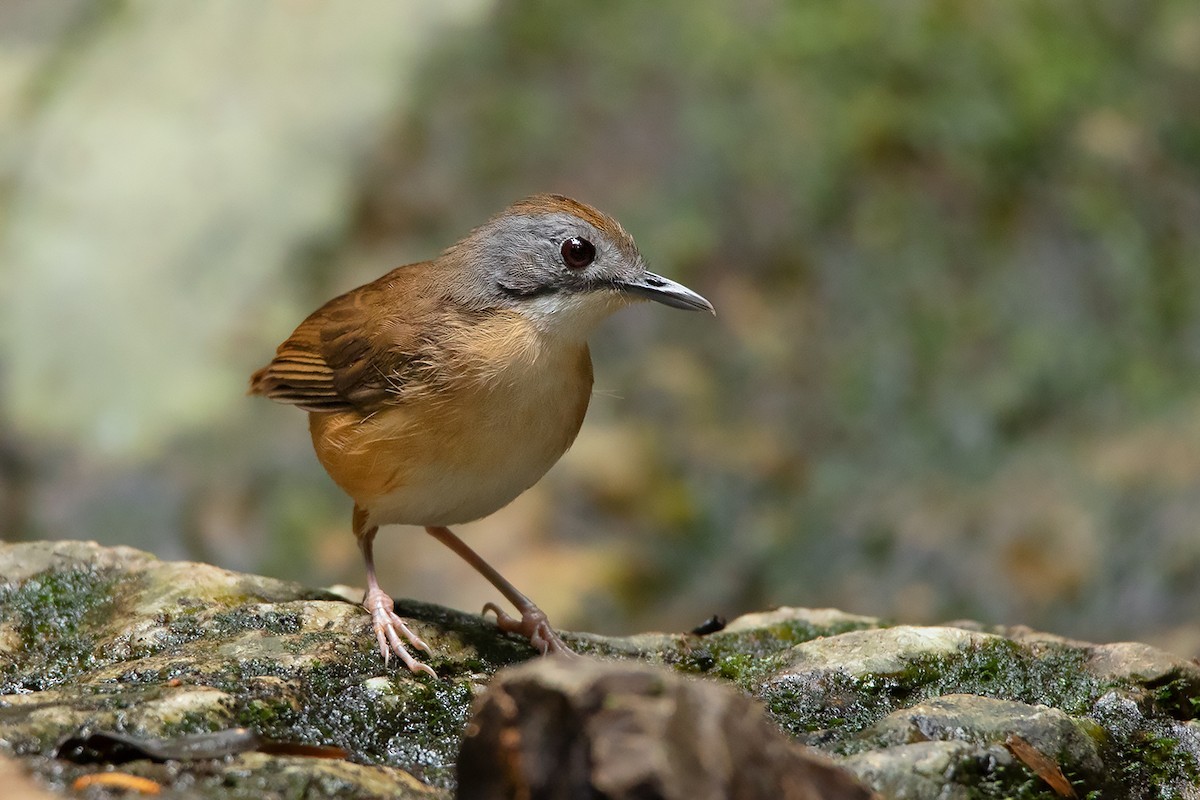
(389, 627)
(534, 626)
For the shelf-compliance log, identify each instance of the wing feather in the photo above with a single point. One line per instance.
(353, 353)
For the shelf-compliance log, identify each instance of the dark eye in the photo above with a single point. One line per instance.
(578, 253)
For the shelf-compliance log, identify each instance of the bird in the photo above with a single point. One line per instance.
(441, 391)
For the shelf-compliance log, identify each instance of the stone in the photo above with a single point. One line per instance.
(824, 618)
(986, 721)
(1140, 662)
(113, 640)
(928, 770)
(881, 652)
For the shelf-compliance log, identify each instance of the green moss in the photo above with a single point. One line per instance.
(746, 658)
(1144, 753)
(192, 722)
(1177, 697)
(416, 727)
(176, 629)
(253, 618)
(53, 613)
(1138, 746)
(776, 637)
(991, 781)
(1154, 758)
(420, 735)
(735, 666)
(836, 705)
(263, 713)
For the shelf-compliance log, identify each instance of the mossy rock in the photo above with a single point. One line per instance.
(112, 639)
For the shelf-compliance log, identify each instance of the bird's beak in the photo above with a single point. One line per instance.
(665, 291)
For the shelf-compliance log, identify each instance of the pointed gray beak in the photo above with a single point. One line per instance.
(665, 291)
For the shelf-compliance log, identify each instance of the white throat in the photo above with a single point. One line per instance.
(573, 315)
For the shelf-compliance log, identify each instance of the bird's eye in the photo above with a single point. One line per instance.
(578, 253)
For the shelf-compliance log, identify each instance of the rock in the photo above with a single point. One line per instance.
(988, 723)
(788, 618)
(933, 770)
(1134, 661)
(113, 640)
(572, 728)
(891, 651)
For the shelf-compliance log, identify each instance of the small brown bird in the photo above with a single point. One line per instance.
(441, 391)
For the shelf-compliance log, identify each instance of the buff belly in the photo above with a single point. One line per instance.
(446, 459)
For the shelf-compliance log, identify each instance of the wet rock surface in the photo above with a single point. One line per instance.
(112, 639)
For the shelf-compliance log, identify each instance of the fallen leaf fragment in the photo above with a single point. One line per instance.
(1041, 764)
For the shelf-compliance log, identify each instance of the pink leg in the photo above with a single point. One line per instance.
(533, 623)
(389, 627)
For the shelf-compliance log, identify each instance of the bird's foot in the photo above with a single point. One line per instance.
(534, 626)
(388, 630)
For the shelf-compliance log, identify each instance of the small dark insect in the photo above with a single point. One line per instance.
(711, 625)
(703, 659)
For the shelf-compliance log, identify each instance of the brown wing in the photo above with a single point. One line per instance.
(353, 353)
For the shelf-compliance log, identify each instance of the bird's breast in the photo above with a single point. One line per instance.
(509, 407)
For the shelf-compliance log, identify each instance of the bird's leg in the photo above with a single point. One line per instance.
(533, 623)
(388, 625)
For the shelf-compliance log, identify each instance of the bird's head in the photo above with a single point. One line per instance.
(563, 263)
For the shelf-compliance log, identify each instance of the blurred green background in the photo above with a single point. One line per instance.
(954, 246)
